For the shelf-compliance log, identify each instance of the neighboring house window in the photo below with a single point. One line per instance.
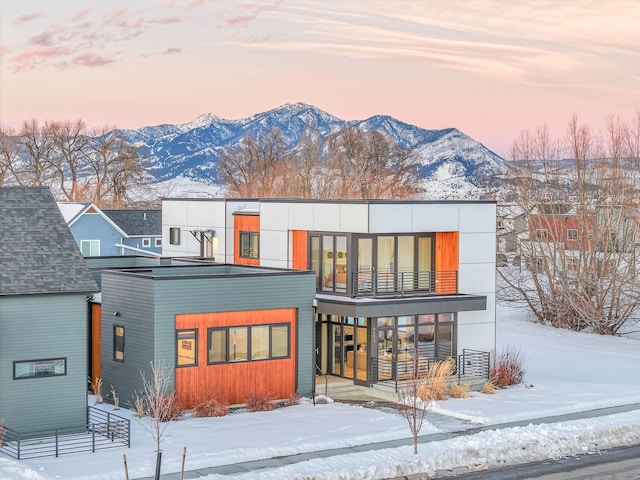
(146, 242)
(50, 367)
(118, 343)
(187, 348)
(542, 234)
(174, 236)
(158, 242)
(572, 234)
(249, 242)
(90, 248)
(242, 344)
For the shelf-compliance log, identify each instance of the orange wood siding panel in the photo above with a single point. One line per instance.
(447, 251)
(299, 247)
(244, 223)
(232, 382)
(96, 339)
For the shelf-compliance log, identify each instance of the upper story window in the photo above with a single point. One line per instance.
(90, 248)
(542, 234)
(249, 244)
(146, 242)
(118, 343)
(174, 236)
(572, 234)
(158, 242)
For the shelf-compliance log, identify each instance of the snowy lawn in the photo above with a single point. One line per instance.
(566, 372)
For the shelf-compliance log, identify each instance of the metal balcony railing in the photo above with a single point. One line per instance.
(403, 284)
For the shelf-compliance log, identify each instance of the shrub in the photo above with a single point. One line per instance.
(260, 402)
(509, 368)
(211, 408)
(460, 391)
(293, 399)
(321, 400)
(488, 388)
(168, 408)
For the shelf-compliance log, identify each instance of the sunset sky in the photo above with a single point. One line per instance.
(490, 68)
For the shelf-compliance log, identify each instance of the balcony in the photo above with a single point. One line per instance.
(403, 284)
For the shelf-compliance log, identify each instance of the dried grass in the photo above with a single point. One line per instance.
(460, 391)
(433, 385)
(260, 402)
(489, 389)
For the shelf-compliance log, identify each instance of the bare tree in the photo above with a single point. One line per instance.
(69, 158)
(580, 197)
(8, 151)
(31, 165)
(157, 404)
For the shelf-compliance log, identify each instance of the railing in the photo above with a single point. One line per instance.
(471, 365)
(104, 430)
(378, 284)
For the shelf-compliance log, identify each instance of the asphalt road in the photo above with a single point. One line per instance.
(617, 464)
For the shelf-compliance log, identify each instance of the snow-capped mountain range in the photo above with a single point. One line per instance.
(453, 164)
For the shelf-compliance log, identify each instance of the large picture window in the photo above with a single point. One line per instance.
(245, 344)
(49, 367)
(249, 244)
(118, 343)
(187, 348)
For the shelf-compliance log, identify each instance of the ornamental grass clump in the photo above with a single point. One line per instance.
(260, 402)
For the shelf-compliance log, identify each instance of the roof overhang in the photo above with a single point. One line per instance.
(390, 307)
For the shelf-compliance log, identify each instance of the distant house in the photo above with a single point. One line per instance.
(113, 232)
(44, 288)
(511, 228)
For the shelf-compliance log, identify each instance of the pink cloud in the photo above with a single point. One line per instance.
(27, 17)
(167, 20)
(45, 39)
(251, 13)
(116, 17)
(41, 53)
(3, 50)
(79, 15)
(90, 60)
(171, 51)
(194, 4)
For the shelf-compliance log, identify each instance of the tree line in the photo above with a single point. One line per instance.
(99, 166)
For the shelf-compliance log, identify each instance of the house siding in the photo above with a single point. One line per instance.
(94, 227)
(57, 328)
(132, 298)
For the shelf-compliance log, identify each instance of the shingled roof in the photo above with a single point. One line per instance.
(38, 254)
(137, 222)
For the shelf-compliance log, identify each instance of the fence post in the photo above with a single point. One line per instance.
(56, 433)
(109, 425)
(18, 438)
(93, 438)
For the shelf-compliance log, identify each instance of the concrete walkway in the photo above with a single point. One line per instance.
(245, 467)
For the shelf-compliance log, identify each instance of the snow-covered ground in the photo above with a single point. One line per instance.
(566, 372)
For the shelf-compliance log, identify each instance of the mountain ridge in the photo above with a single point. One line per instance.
(192, 149)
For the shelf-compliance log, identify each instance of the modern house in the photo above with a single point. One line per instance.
(223, 331)
(113, 232)
(44, 288)
(392, 278)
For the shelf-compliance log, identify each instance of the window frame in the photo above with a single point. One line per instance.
(194, 337)
(542, 234)
(174, 235)
(35, 375)
(157, 242)
(92, 244)
(249, 330)
(115, 343)
(247, 253)
(146, 242)
(571, 233)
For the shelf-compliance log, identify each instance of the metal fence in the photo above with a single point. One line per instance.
(104, 430)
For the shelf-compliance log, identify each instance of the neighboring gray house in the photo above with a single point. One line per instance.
(44, 288)
(143, 229)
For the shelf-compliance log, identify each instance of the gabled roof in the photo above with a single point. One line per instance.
(137, 222)
(38, 254)
(73, 211)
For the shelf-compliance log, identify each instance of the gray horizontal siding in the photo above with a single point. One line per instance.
(36, 327)
(132, 298)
